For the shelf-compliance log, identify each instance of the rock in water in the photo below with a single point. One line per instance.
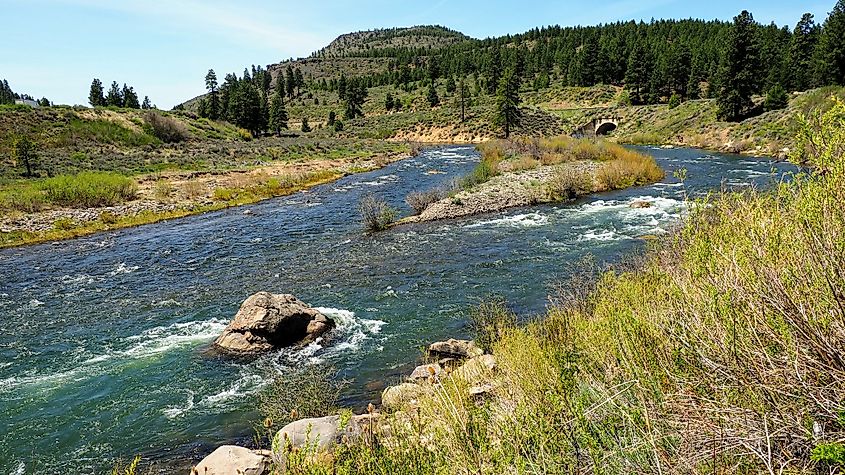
(231, 459)
(268, 321)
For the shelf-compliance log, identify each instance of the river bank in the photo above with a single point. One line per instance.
(171, 195)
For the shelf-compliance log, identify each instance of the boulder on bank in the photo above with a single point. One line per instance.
(401, 396)
(451, 348)
(231, 459)
(268, 321)
(423, 372)
(322, 434)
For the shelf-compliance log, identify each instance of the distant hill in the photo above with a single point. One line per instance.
(368, 43)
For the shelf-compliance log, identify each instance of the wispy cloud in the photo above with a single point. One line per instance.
(238, 24)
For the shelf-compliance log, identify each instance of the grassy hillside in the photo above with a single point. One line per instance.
(723, 351)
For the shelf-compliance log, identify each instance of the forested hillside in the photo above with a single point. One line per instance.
(659, 62)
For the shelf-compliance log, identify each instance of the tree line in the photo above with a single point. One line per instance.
(655, 61)
(8, 96)
(116, 96)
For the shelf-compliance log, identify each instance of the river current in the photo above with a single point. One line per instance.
(103, 339)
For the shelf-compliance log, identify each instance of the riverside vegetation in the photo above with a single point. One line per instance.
(719, 352)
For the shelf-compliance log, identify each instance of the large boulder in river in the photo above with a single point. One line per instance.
(268, 321)
(231, 459)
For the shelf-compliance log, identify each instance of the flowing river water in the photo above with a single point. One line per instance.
(103, 339)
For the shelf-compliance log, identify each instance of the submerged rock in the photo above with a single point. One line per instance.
(268, 321)
(231, 459)
(641, 204)
(452, 348)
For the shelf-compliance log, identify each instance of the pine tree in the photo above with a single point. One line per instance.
(739, 69)
(354, 99)
(146, 104)
(432, 97)
(388, 102)
(802, 48)
(95, 96)
(776, 98)
(637, 76)
(130, 98)
(278, 113)
(831, 49)
(213, 96)
(114, 98)
(298, 80)
(305, 127)
(508, 114)
(290, 81)
(463, 91)
(332, 118)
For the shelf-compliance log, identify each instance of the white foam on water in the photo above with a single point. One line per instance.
(246, 385)
(602, 235)
(177, 411)
(19, 470)
(528, 220)
(164, 338)
(353, 331)
(78, 279)
(122, 268)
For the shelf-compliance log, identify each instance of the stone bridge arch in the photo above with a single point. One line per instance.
(598, 126)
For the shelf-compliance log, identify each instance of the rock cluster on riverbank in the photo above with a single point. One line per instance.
(458, 363)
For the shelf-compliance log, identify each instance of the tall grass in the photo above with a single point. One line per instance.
(723, 352)
(492, 154)
(90, 189)
(627, 168)
(102, 131)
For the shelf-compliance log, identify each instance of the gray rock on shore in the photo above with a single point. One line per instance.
(268, 321)
(322, 434)
(231, 459)
(451, 348)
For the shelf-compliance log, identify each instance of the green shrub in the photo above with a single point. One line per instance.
(832, 454)
(674, 101)
(28, 198)
(166, 129)
(776, 98)
(490, 320)
(90, 189)
(107, 217)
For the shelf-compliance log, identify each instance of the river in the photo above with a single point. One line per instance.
(103, 339)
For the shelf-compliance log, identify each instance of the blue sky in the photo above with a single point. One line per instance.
(163, 48)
